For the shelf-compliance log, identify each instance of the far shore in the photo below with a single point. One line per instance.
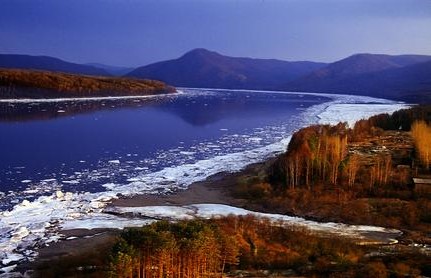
(38, 84)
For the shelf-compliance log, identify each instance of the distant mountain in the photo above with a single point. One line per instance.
(113, 70)
(397, 77)
(203, 68)
(15, 61)
(411, 83)
(362, 63)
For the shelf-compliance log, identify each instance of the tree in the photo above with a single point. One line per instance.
(353, 166)
(421, 133)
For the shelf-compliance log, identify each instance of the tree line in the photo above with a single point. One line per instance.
(216, 247)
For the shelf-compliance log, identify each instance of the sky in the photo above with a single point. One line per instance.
(138, 32)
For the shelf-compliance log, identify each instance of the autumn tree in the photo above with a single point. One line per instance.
(353, 166)
(421, 133)
(314, 155)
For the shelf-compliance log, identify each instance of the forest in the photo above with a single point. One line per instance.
(359, 175)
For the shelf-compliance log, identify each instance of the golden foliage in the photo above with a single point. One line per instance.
(315, 155)
(208, 248)
(421, 133)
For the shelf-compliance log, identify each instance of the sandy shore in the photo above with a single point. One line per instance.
(214, 190)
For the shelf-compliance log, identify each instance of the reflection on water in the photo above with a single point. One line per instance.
(198, 111)
(16, 112)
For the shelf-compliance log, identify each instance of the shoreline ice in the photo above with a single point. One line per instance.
(43, 100)
(31, 224)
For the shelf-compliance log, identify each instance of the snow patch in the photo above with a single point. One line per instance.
(360, 232)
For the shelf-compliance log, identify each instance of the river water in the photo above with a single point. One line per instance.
(61, 161)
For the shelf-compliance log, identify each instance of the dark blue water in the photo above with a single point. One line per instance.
(80, 145)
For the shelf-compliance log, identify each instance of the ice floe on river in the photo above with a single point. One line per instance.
(30, 225)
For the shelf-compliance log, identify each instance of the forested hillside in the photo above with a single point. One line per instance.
(44, 84)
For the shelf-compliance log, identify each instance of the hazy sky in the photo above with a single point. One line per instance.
(138, 32)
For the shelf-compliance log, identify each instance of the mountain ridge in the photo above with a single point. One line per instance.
(48, 63)
(203, 68)
(401, 77)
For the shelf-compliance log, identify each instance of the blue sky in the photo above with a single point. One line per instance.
(138, 32)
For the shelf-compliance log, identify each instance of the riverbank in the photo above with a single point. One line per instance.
(216, 189)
